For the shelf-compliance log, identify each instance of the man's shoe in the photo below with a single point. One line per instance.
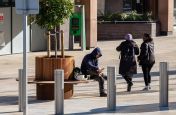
(103, 95)
(129, 87)
(105, 77)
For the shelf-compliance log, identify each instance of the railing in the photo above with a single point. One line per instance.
(116, 22)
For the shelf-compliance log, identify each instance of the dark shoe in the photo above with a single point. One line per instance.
(105, 77)
(103, 95)
(146, 88)
(129, 87)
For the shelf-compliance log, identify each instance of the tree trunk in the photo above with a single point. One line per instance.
(62, 44)
(55, 30)
(48, 45)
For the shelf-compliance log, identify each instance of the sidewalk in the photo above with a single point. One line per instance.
(86, 99)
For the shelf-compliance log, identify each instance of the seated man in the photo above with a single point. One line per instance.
(89, 66)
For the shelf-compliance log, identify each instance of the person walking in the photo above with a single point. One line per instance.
(128, 66)
(89, 66)
(147, 59)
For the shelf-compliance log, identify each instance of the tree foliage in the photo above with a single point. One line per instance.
(52, 13)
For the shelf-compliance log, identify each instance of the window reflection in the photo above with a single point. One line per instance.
(141, 6)
(7, 3)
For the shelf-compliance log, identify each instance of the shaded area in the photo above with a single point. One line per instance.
(130, 109)
(13, 100)
(9, 112)
(6, 78)
(153, 74)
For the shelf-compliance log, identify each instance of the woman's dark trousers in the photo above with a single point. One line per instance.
(128, 79)
(146, 72)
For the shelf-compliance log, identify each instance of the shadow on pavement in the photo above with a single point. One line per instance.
(13, 100)
(130, 109)
(135, 92)
(153, 74)
(9, 112)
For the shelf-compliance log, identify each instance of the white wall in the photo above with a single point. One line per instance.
(37, 42)
(5, 27)
(17, 33)
(38, 38)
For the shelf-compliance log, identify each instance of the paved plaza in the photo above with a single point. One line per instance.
(86, 98)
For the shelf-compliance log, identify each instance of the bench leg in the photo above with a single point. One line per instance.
(68, 90)
(46, 91)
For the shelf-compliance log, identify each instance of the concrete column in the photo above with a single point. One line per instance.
(59, 92)
(20, 89)
(111, 90)
(163, 84)
(165, 14)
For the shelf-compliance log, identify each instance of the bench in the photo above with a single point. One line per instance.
(44, 86)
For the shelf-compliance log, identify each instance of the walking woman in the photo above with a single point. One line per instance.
(147, 59)
(128, 49)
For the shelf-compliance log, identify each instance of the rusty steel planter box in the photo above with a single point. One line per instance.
(44, 71)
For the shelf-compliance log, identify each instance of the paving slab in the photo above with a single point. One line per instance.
(86, 99)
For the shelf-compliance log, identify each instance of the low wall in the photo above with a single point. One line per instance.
(111, 31)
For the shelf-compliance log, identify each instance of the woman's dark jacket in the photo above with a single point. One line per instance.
(147, 56)
(128, 65)
(90, 62)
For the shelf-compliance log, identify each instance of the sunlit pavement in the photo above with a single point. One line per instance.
(86, 99)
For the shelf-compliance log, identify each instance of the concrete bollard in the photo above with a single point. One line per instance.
(20, 97)
(163, 84)
(59, 92)
(111, 90)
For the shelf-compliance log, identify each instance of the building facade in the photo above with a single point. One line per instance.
(163, 11)
(11, 31)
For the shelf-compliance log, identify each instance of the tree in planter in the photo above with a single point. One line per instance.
(51, 15)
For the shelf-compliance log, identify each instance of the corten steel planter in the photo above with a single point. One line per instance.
(45, 67)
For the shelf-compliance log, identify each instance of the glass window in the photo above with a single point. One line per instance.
(140, 6)
(7, 3)
(127, 5)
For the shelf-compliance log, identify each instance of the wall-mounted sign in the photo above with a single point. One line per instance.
(27, 6)
(1, 18)
(75, 24)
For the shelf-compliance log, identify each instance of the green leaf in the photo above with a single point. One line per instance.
(52, 13)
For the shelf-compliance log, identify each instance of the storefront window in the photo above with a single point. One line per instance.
(139, 5)
(127, 5)
(7, 3)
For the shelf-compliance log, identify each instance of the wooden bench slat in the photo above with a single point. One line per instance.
(31, 80)
(66, 82)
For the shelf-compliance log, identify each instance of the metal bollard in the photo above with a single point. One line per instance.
(20, 97)
(111, 90)
(59, 92)
(163, 84)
